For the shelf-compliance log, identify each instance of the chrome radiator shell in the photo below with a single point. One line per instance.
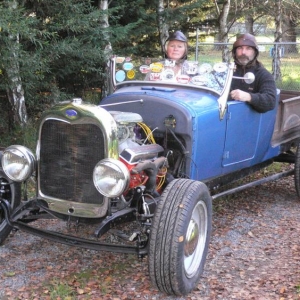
(72, 138)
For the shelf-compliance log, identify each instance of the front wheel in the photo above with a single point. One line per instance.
(180, 236)
(12, 193)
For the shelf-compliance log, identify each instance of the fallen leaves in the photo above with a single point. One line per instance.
(254, 254)
(10, 274)
(251, 234)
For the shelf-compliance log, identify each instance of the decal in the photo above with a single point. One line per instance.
(128, 66)
(130, 74)
(120, 60)
(220, 67)
(205, 68)
(155, 76)
(147, 61)
(168, 74)
(199, 80)
(120, 76)
(191, 67)
(156, 67)
(183, 79)
(144, 69)
(170, 63)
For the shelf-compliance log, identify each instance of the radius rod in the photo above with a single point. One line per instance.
(254, 183)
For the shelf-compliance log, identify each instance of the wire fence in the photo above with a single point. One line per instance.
(281, 59)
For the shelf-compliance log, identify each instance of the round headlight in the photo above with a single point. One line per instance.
(111, 177)
(18, 162)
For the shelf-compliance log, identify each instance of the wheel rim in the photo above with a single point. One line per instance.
(195, 239)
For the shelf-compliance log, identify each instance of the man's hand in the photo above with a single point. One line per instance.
(240, 96)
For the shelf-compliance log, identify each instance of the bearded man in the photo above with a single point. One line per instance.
(261, 94)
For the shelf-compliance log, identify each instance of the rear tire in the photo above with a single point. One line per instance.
(11, 193)
(297, 170)
(180, 236)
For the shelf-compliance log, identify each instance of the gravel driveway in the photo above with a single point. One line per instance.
(254, 254)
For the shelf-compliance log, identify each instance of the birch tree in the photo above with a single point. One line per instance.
(104, 21)
(14, 88)
(103, 6)
(163, 26)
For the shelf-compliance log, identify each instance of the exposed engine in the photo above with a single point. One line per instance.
(127, 128)
(139, 152)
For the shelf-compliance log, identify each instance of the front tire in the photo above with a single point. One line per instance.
(12, 193)
(180, 236)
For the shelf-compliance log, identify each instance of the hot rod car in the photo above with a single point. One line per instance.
(151, 155)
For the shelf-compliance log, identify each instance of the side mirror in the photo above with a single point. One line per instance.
(248, 77)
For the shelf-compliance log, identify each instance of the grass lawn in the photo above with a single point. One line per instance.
(289, 62)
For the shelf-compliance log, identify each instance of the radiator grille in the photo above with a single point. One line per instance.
(68, 155)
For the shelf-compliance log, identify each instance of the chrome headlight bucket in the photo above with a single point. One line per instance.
(18, 163)
(111, 177)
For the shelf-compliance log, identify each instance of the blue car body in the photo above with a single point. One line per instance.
(215, 146)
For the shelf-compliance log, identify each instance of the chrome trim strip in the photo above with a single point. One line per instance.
(224, 95)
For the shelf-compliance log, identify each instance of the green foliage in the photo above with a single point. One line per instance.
(135, 27)
(61, 291)
(20, 136)
(57, 48)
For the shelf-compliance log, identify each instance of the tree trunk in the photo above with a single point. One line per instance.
(103, 6)
(289, 33)
(15, 95)
(249, 22)
(163, 27)
(278, 36)
(14, 90)
(223, 32)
